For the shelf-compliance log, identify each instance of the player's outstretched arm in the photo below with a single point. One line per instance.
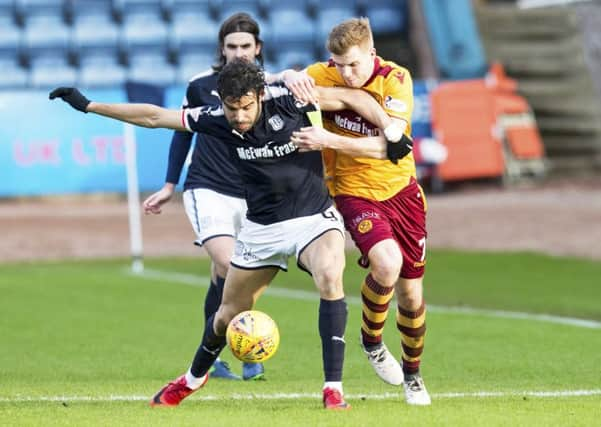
(393, 144)
(339, 98)
(145, 115)
(376, 147)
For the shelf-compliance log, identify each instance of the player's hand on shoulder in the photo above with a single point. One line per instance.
(301, 85)
(71, 96)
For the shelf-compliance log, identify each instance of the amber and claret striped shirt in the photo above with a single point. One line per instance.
(391, 85)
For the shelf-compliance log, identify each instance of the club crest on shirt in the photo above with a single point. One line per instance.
(299, 103)
(364, 226)
(395, 104)
(276, 122)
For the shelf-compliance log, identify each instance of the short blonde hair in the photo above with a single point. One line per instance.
(352, 32)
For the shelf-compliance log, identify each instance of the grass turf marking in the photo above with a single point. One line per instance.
(201, 282)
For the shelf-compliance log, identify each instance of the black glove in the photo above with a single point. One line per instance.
(397, 150)
(71, 96)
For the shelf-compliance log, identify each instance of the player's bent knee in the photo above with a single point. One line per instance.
(386, 271)
(329, 284)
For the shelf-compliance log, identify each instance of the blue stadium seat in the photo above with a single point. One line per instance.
(318, 6)
(204, 6)
(44, 33)
(294, 59)
(7, 8)
(386, 17)
(290, 25)
(10, 36)
(270, 65)
(101, 70)
(193, 32)
(76, 9)
(151, 66)
(303, 6)
(91, 31)
(13, 76)
(24, 9)
(225, 8)
(50, 71)
(328, 18)
(123, 8)
(291, 29)
(193, 64)
(143, 30)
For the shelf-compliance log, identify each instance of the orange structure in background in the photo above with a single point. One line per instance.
(488, 129)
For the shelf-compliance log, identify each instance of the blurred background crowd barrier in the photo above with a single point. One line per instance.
(504, 89)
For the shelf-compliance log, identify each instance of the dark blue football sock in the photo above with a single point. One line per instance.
(332, 323)
(213, 298)
(208, 351)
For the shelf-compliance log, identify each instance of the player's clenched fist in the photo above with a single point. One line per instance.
(72, 96)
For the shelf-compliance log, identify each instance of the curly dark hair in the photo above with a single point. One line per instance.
(238, 77)
(238, 23)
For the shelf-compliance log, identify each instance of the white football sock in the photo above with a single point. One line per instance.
(333, 384)
(193, 382)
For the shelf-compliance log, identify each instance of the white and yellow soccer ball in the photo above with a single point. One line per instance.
(253, 336)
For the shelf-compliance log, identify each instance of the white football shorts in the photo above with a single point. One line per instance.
(271, 245)
(213, 214)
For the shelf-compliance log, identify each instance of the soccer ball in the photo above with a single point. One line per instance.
(253, 336)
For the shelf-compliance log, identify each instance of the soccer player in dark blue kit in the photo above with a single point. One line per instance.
(289, 208)
(213, 191)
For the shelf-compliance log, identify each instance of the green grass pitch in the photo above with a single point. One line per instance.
(88, 343)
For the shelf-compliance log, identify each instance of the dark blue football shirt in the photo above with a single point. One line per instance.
(280, 183)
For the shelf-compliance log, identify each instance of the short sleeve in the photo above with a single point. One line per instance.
(398, 94)
(201, 119)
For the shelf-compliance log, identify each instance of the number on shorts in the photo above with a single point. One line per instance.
(330, 215)
(422, 243)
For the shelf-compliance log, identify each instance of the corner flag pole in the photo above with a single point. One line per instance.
(133, 199)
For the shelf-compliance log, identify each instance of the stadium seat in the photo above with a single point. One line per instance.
(193, 64)
(387, 17)
(10, 36)
(193, 32)
(51, 71)
(303, 6)
(318, 6)
(328, 18)
(143, 30)
(151, 66)
(7, 8)
(45, 31)
(24, 9)
(291, 30)
(289, 25)
(123, 8)
(270, 65)
(92, 31)
(204, 6)
(294, 59)
(13, 76)
(225, 8)
(98, 70)
(76, 9)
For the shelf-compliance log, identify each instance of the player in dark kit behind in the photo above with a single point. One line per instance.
(289, 209)
(213, 191)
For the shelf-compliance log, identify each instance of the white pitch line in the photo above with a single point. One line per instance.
(291, 396)
(202, 281)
